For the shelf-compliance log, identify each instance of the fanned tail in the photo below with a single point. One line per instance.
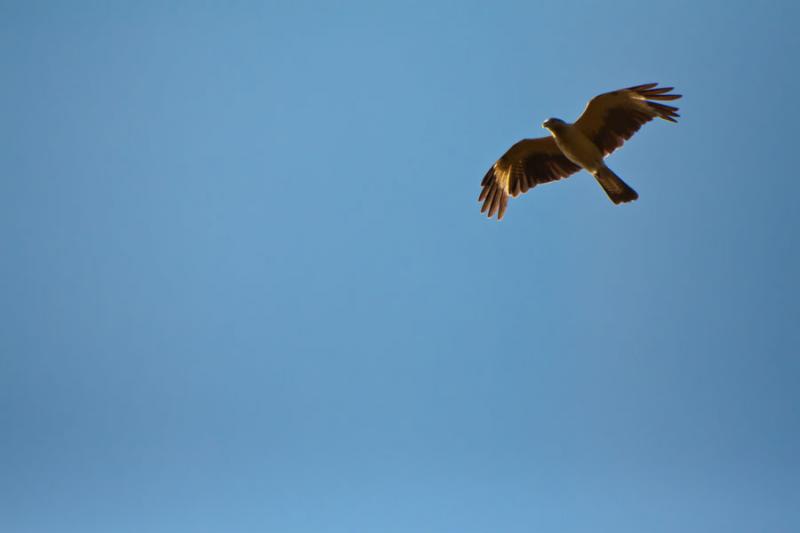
(616, 189)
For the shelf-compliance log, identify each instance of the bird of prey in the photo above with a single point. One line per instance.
(608, 121)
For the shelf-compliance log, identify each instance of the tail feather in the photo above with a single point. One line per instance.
(616, 189)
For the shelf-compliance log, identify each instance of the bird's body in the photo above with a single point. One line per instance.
(574, 144)
(608, 121)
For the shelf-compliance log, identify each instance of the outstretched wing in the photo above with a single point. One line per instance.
(612, 118)
(524, 166)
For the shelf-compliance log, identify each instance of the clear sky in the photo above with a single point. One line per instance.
(245, 284)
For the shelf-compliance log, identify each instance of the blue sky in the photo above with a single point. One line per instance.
(245, 284)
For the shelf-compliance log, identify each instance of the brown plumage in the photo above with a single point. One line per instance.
(605, 124)
(612, 118)
(525, 165)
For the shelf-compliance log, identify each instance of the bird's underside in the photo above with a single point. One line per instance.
(605, 124)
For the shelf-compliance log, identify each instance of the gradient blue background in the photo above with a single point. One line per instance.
(245, 285)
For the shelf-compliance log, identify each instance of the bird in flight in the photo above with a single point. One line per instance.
(609, 120)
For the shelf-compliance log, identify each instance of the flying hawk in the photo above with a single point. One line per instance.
(608, 121)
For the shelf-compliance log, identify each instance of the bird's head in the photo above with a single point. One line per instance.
(552, 123)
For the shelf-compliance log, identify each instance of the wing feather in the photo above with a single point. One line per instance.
(525, 165)
(612, 118)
